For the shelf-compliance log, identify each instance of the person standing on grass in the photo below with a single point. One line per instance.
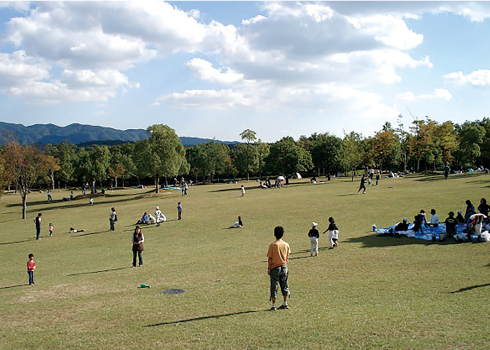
(470, 210)
(377, 178)
(242, 190)
(314, 235)
(333, 233)
(48, 192)
(362, 185)
(277, 268)
(138, 240)
(179, 211)
(38, 220)
(51, 229)
(31, 266)
(483, 208)
(113, 219)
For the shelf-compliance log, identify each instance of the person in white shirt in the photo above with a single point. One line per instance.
(434, 219)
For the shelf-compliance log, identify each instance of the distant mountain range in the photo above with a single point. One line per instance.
(80, 134)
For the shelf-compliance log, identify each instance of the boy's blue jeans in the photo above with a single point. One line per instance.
(31, 277)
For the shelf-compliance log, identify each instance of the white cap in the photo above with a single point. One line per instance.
(314, 224)
(158, 208)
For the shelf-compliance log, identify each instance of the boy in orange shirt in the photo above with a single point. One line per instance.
(277, 267)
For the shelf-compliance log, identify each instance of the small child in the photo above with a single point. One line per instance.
(91, 201)
(74, 230)
(333, 233)
(242, 190)
(179, 210)
(31, 266)
(314, 235)
(51, 229)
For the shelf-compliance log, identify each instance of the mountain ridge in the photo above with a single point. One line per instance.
(77, 133)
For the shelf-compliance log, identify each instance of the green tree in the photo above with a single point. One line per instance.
(471, 136)
(326, 152)
(353, 152)
(25, 165)
(287, 157)
(249, 155)
(385, 147)
(167, 152)
(246, 159)
(263, 150)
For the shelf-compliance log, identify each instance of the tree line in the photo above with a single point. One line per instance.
(425, 145)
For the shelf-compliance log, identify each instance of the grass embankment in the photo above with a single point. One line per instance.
(370, 293)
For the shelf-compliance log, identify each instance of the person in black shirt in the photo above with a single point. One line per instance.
(460, 217)
(451, 223)
(363, 184)
(470, 210)
(483, 207)
(314, 235)
(420, 220)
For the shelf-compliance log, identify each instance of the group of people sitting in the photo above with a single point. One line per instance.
(148, 219)
(458, 226)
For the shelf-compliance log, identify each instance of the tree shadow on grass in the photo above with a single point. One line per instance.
(99, 271)
(469, 288)
(431, 178)
(375, 241)
(24, 240)
(16, 286)
(204, 318)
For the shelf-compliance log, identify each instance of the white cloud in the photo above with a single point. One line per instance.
(407, 96)
(477, 78)
(204, 70)
(208, 99)
(19, 69)
(19, 6)
(438, 94)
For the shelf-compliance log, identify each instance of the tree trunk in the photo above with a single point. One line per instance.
(155, 181)
(24, 205)
(353, 173)
(115, 181)
(248, 178)
(53, 186)
(93, 187)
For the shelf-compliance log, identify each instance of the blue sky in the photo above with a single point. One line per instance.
(214, 69)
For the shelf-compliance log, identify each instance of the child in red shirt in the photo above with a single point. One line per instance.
(31, 266)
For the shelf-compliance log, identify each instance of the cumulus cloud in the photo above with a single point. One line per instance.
(19, 6)
(438, 94)
(407, 96)
(204, 70)
(18, 69)
(477, 78)
(209, 99)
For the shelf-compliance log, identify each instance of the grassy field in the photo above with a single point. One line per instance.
(370, 293)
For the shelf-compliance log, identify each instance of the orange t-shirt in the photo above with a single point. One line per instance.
(278, 254)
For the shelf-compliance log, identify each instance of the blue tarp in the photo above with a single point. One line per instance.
(427, 234)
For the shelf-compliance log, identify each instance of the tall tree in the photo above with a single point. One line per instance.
(263, 150)
(167, 152)
(26, 165)
(326, 152)
(471, 138)
(287, 157)
(249, 151)
(353, 152)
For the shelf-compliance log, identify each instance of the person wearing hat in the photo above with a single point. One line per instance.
(460, 217)
(401, 227)
(158, 214)
(314, 235)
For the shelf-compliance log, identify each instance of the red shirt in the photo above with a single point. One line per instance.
(31, 265)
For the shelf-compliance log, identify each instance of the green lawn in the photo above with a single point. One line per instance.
(370, 293)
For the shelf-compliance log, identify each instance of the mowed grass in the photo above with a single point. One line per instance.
(370, 293)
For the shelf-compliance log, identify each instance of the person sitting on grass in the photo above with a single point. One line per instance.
(460, 217)
(237, 224)
(143, 220)
(434, 219)
(451, 222)
(74, 230)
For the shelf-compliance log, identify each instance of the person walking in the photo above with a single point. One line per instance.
(137, 241)
(314, 235)
(113, 219)
(48, 192)
(277, 268)
(362, 186)
(38, 220)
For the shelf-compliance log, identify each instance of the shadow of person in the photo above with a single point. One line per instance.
(16, 286)
(204, 318)
(99, 271)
